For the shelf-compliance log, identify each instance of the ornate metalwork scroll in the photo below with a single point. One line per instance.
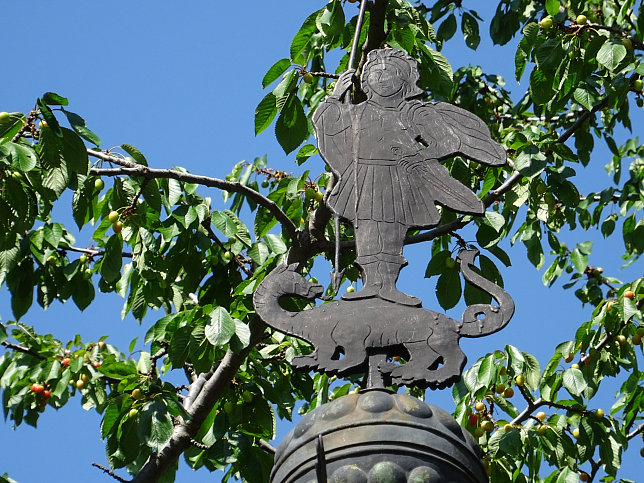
(386, 156)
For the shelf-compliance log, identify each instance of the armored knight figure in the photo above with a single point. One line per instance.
(385, 154)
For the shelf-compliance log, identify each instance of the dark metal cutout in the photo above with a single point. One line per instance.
(385, 154)
(367, 328)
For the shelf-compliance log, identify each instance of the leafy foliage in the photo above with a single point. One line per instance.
(161, 246)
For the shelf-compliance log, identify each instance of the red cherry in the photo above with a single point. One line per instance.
(473, 419)
(37, 388)
(65, 362)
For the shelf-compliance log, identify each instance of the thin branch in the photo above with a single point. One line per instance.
(109, 472)
(213, 237)
(609, 28)
(640, 429)
(267, 446)
(133, 169)
(92, 252)
(23, 349)
(153, 360)
(199, 445)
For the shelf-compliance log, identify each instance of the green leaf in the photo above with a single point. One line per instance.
(265, 112)
(530, 161)
(448, 288)
(515, 359)
(276, 70)
(496, 220)
(579, 260)
(291, 128)
(330, 20)
(224, 223)
(303, 37)
(275, 244)
(611, 54)
(487, 372)
(10, 126)
(552, 7)
(23, 158)
(574, 381)
(53, 99)
(532, 371)
(220, 328)
(110, 418)
(447, 29)
(135, 153)
(160, 425)
(112, 260)
(470, 29)
(78, 125)
(83, 292)
(174, 191)
(587, 97)
(73, 151)
(305, 153)
(118, 370)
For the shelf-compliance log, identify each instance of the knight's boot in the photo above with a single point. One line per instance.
(371, 282)
(388, 272)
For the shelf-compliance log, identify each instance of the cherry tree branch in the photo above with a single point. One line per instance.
(23, 349)
(133, 169)
(109, 472)
(200, 406)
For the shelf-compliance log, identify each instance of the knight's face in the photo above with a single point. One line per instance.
(384, 81)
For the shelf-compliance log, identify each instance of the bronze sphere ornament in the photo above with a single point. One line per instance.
(378, 436)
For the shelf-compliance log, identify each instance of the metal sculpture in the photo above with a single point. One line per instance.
(345, 333)
(385, 154)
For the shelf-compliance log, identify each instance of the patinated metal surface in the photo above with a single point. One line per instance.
(377, 436)
(346, 334)
(386, 156)
(385, 153)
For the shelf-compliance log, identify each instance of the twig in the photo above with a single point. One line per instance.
(133, 169)
(199, 445)
(212, 236)
(325, 74)
(640, 429)
(92, 252)
(266, 445)
(109, 472)
(25, 350)
(154, 358)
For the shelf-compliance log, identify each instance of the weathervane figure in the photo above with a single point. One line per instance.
(385, 153)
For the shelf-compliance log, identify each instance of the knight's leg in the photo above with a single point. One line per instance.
(368, 247)
(392, 236)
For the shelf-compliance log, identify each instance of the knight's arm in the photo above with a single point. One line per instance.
(332, 124)
(448, 130)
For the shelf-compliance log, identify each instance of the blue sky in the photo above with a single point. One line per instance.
(180, 80)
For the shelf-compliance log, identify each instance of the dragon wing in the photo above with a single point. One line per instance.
(448, 130)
